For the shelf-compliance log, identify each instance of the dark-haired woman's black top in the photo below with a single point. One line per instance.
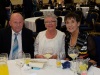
(85, 44)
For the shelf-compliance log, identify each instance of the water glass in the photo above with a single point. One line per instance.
(20, 61)
(74, 67)
(58, 63)
(82, 65)
(27, 58)
(4, 55)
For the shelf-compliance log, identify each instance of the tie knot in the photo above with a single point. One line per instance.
(15, 34)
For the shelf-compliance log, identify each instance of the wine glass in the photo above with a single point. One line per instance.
(48, 53)
(5, 55)
(27, 58)
(73, 52)
(3, 64)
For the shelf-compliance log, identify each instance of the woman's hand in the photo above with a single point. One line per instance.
(54, 57)
(67, 59)
(93, 62)
(39, 56)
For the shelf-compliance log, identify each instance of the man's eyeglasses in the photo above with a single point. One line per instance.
(50, 22)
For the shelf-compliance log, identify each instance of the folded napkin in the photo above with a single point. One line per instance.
(36, 64)
(19, 62)
(66, 64)
(94, 71)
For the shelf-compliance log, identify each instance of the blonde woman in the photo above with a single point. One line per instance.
(50, 38)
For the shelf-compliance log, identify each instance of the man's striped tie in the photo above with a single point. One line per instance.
(15, 47)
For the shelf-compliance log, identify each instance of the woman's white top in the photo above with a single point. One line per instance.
(57, 44)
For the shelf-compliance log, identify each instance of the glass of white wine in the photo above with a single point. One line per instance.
(48, 53)
(27, 58)
(73, 52)
(3, 64)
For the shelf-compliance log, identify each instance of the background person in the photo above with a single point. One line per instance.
(27, 8)
(2, 13)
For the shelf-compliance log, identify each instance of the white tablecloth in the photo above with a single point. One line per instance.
(45, 11)
(84, 10)
(30, 23)
(47, 70)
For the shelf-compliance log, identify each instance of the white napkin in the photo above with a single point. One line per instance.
(94, 71)
(96, 7)
(25, 67)
(19, 62)
(36, 64)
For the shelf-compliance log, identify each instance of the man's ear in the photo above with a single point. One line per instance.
(9, 23)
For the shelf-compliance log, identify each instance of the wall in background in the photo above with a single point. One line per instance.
(98, 1)
(15, 2)
(75, 1)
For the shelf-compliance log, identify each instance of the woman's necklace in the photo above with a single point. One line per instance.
(73, 40)
(51, 35)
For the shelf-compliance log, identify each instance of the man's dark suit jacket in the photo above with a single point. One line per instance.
(27, 41)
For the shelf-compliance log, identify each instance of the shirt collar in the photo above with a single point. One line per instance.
(15, 32)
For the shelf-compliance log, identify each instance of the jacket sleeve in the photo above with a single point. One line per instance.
(36, 45)
(91, 47)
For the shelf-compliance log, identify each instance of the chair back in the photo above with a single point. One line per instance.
(57, 12)
(37, 13)
(63, 13)
(97, 27)
(60, 7)
(40, 25)
(97, 41)
(45, 7)
(92, 16)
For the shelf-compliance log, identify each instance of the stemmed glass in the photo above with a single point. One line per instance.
(73, 52)
(48, 53)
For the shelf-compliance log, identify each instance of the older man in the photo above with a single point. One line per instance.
(16, 39)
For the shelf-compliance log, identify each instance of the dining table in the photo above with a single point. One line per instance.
(84, 10)
(30, 23)
(45, 11)
(49, 68)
